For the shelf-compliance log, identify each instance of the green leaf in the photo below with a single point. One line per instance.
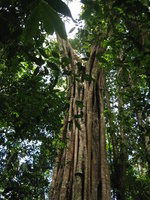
(39, 61)
(87, 77)
(60, 7)
(31, 26)
(53, 66)
(66, 61)
(67, 72)
(36, 71)
(46, 18)
(46, 71)
(101, 59)
(55, 54)
(87, 13)
(79, 104)
(51, 20)
(24, 167)
(72, 30)
(42, 52)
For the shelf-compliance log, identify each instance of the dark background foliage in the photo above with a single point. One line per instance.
(32, 107)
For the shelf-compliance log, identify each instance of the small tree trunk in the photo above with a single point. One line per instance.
(81, 171)
(119, 151)
(122, 162)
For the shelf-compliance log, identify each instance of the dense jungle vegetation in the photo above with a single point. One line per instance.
(81, 106)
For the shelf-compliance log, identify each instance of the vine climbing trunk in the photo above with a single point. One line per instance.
(81, 170)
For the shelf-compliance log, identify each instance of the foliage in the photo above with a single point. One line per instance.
(123, 27)
(31, 115)
(32, 108)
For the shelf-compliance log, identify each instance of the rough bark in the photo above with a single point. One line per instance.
(81, 171)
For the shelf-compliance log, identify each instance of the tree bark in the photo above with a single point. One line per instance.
(81, 171)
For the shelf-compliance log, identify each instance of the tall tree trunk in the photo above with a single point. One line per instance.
(113, 140)
(123, 155)
(81, 171)
(119, 151)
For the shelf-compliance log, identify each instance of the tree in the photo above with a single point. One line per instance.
(108, 26)
(82, 167)
(104, 110)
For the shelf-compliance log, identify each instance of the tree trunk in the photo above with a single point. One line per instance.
(122, 162)
(81, 171)
(119, 151)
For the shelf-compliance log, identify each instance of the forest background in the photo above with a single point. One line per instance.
(35, 80)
